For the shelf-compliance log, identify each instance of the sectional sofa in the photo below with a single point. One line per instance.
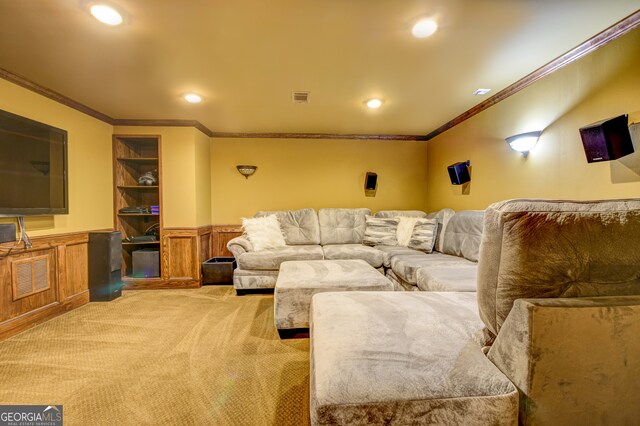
(335, 233)
(550, 337)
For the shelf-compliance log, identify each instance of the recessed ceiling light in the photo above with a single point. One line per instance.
(481, 91)
(106, 14)
(374, 103)
(424, 28)
(193, 98)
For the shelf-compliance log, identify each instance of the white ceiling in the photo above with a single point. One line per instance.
(247, 56)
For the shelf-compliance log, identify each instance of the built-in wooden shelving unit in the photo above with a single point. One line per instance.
(135, 155)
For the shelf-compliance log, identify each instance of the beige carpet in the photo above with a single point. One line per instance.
(172, 357)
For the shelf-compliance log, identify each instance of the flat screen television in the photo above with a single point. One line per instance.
(33, 167)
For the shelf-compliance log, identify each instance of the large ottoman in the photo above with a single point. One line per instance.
(298, 281)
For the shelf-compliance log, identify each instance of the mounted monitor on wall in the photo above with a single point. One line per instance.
(459, 173)
(607, 139)
(33, 167)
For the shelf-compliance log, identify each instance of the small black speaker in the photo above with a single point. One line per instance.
(371, 181)
(607, 139)
(459, 173)
(105, 266)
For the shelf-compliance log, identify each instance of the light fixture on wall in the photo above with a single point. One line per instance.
(524, 142)
(246, 170)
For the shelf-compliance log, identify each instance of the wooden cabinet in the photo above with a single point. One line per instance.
(135, 156)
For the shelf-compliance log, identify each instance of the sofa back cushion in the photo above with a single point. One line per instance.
(553, 248)
(442, 216)
(462, 234)
(400, 213)
(342, 226)
(299, 227)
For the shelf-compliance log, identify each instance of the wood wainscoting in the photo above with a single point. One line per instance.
(221, 235)
(42, 282)
(183, 251)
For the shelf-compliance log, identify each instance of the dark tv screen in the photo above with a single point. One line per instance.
(33, 167)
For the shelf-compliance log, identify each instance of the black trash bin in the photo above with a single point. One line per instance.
(218, 270)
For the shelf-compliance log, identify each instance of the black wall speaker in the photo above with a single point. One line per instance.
(459, 173)
(371, 181)
(607, 139)
(370, 184)
(105, 266)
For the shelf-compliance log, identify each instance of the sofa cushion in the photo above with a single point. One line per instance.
(272, 258)
(575, 361)
(299, 227)
(264, 232)
(462, 234)
(442, 216)
(246, 280)
(354, 251)
(380, 230)
(403, 358)
(447, 278)
(342, 226)
(553, 248)
(405, 266)
(400, 213)
(423, 236)
(390, 251)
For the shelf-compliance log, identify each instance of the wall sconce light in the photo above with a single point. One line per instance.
(246, 170)
(524, 142)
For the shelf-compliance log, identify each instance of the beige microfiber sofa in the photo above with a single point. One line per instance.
(550, 338)
(337, 234)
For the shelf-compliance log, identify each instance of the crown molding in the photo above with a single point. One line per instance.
(318, 136)
(613, 32)
(51, 94)
(162, 123)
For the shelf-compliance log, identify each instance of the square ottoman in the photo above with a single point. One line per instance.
(298, 281)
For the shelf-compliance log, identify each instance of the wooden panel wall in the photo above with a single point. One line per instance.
(183, 251)
(68, 283)
(221, 235)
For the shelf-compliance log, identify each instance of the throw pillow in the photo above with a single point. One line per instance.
(424, 235)
(264, 232)
(380, 231)
(405, 229)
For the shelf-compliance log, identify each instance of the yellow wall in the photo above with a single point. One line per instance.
(89, 156)
(299, 173)
(202, 178)
(603, 84)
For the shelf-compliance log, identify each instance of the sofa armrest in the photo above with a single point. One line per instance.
(239, 245)
(572, 359)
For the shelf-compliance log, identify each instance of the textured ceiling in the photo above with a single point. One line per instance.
(247, 56)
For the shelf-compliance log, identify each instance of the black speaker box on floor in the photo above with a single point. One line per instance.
(459, 173)
(105, 266)
(607, 139)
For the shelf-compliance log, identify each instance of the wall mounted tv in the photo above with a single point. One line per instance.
(33, 167)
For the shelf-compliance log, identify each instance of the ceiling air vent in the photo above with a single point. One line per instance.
(300, 97)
